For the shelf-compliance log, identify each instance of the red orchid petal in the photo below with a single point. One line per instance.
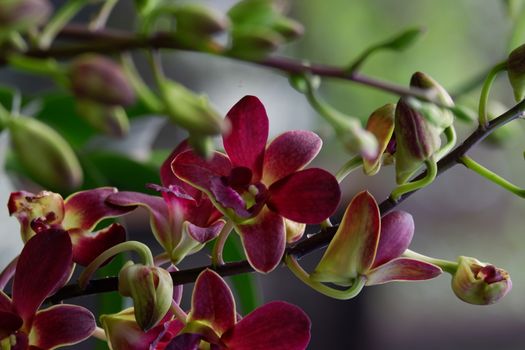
(5, 302)
(288, 153)
(397, 230)
(249, 132)
(352, 250)
(88, 246)
(276, 326)
(198, 172)
(402, 269)
(169, 330)
(45, 262)
(10, 322)
(264, 240)
(61, 325)
(185, 341)
(22, 342)
(165, 231)
(307, 196)
(212, 302)
(205, 234)
(166, 174)
(87, 208)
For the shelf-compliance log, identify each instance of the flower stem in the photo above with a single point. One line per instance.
(100, 334)
(178, 312)
(450, 134)
(484, 97)
(8, 273)
(47, 67)
(218, 247)
(491, 176)
(142, 90)
(161, 259)
(445, 265)
(301, 274)
(61, 18)
(415, 185)
(140, 248)
(99, 22)
(348, 167)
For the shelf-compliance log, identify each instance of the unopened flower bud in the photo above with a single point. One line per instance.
(192, 112)
(254, 44)
(288, 28)
(44, 154)
(479, 283)
(151, 289)
(20, 15)
(123, 332)
(197, 19)
(111, 120)
(381, 125)
(516, 72)
(100, 79)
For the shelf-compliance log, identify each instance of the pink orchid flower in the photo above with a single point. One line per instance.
(183, 219)
(260, 188)
(370, 247)
(43, 267)
(78, 215)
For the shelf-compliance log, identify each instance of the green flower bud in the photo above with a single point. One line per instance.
(192, 112)
(20, 15)
(516, 72)
(100, 79)
(381, 125)
(195, 19)
(44, 154)
(254, 44)
(111, 120)
(479, 283)
(151, 289)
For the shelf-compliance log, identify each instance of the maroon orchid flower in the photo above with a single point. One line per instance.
(78, 215)
(370, 247)
(43, 267)
(260, 187)
(183, 219)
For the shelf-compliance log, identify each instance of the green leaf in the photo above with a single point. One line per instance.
(245, 286)
(402, 40)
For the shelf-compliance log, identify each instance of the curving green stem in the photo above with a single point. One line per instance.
(178, 312)
(491, 176)
(348, 167)
(445, 265)
(218, 247)
(450, 134)
(484, 97)
(101, 19)
(416, 185)
(141, 249)
(292, 263)
(48, 67)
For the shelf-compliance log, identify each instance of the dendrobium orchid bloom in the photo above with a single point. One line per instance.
(369, 247)
(43, 266)
(183, 219)
(260, 187)
(78, 215)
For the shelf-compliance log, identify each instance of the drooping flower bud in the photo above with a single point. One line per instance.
(151, 289)
(44, 154)
(100, 79)
(195, 19)
(111, 120)
(479, 283)
(516, 72)
(20, 15)
(381, 125)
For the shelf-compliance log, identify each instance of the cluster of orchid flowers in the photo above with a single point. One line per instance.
(265, 194)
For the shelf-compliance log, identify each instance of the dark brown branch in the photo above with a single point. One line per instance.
(313, 243)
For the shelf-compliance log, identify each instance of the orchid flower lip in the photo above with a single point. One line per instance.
(175, 190)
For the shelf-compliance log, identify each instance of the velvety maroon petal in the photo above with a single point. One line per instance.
(249, 132)
(9, 323)
(307, 196)
(166, 174)
(276, 326)
(288, 153)
(402, 269)
(88, 246)
(352, 250)
(61, 325)
(264, 240)
(397, 230)
(86, 208)
(5, 303)
(185, 341)
(212, 302)
(198, 172)
(169, 331)
(45, 262)
(205, 234)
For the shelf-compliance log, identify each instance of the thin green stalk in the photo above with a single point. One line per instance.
(348, 167)
(300, 273)
(445, 265)
(99, 22)
(491, 176)
(61, 18)
(484, 97)
(143, 91)
(48, 67)
(216, 256)
(4, 117)
(450, 134)
(416, 185)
